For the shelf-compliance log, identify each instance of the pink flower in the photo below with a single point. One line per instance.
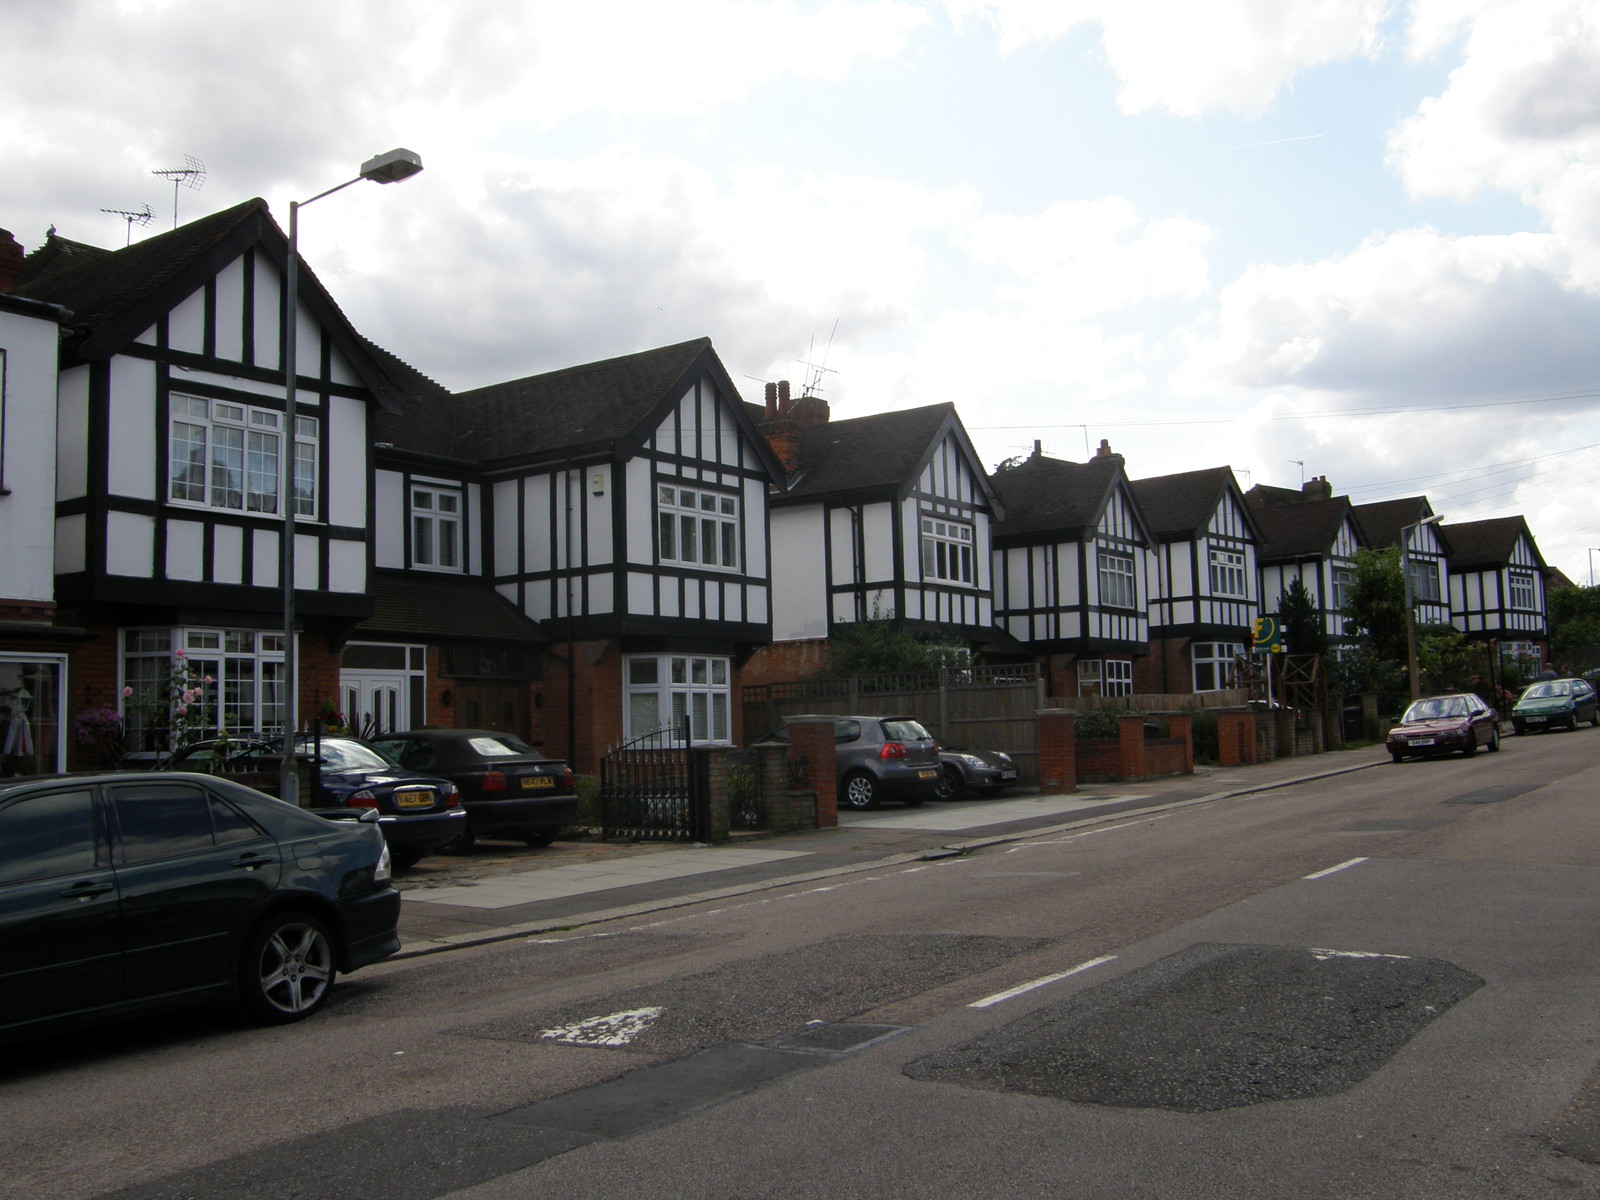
(183, 710)
(180, 654)
(188, 696)
(208, 679)
(127, 691)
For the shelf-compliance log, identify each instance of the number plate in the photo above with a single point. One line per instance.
(1535, 720)
(927, 774)
(1422, 741)
(413, 798)
(1008, 774)
(538, 781)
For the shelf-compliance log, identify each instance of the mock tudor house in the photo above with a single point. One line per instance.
(1497, 586)
(1072, 570)
(170, 428)
(1309, 536)
(34, 651)
(1205, 591)
(618, 510)
(1389, 522)
(887, 515)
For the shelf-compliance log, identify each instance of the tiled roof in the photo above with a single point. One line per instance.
(1049, 495)
(100, 285)
(1179, 505)
(425, 417)
(1303, 529)
(451, 609)
(1490, 543)
(881, 451)
(1382, 522)
(589, 405)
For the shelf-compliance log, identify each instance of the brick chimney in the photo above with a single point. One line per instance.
(786, 422)
(10, 261)
(1317, 489)
(1105, 449)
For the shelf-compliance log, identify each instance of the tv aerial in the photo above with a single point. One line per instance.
(815, 371)
(143, 217)
(191, 175)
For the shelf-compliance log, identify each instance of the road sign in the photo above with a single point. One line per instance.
(1266, 633)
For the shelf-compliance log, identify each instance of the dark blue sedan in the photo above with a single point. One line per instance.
(417, 813)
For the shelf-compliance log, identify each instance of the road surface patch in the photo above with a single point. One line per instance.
(1214, 1027)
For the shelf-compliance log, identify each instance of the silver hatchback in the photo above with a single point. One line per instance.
(879, 758)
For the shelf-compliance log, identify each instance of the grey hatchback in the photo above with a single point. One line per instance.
(879, 758)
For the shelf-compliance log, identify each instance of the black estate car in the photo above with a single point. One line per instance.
(122, 893)
(508, 788)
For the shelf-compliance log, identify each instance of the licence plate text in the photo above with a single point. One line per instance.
(920, 774)
(413, 799)
(535, 781)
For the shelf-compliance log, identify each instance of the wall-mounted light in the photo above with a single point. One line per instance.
(447, 698)
(597, 483)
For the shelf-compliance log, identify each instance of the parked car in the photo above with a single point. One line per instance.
(1555, 703)
(1444, 724)
(985, 772)
(139, 890)
(417, 813)
(879, 758)
(508, 788)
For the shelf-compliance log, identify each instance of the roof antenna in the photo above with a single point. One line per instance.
(1301, 464)
(132, 218)
(815, 371)
(191, 175)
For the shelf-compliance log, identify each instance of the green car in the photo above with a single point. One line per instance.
(1555, 704)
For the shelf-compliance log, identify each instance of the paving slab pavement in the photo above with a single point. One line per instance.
(500, 892)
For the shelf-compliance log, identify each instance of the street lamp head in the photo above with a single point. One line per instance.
(391, 167)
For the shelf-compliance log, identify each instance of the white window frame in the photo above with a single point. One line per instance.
(246, 694)
(697, 526)
(1344, 581)
(948, 553)
(1118, 588)
(436, 527)
(1089, 676)
(1117, 677)
(1524, 595)
(664, 690)
(1228, 576)
(1216, 659)
(1424, 580)
(42, 714)
(235, 447)
(2, 420)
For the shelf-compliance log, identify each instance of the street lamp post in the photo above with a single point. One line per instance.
(1411, 619)
(382, 168)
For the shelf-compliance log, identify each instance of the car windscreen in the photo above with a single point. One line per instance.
(1541, 691)
(501, 745)
(906, 731)
(1436, 708)
(352, 756)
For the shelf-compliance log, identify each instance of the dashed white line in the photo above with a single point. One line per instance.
(990, 1001)
(1321, 874)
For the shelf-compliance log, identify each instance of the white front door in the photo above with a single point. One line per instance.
(374, 703)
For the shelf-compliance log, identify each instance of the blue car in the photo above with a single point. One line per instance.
(417, 813)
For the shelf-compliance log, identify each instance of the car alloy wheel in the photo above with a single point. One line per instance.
(861, 791)
(288, 968)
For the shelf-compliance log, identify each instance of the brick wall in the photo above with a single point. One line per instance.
(783, 662)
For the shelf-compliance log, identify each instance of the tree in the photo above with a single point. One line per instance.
(1375, 614)
(1574, 626)
(1303, 631)
(879, 646)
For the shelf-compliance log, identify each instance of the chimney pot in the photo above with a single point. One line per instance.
(1105, 448)
(772, 400)
(783, 395)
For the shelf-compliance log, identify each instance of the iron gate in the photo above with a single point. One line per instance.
(655, 788)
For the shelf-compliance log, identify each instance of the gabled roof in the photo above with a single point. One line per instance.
(1051, 496)
(115, 295)
(881, 454)
(1180, 506)
(609, 407)
(463, 608)
(1382, 522)
(1476, 545)
(1303, 529)
(424, 415)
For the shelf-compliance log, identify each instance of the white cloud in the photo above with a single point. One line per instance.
(1191, 59)
(1520, 114)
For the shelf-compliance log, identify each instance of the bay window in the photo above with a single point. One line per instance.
(674, 690)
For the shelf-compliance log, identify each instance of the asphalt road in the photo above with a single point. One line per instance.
(1380, 985)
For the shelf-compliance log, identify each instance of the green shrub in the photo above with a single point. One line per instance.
(588, 790)
(1102, 722)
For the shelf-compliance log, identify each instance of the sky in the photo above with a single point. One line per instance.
(1354, 239)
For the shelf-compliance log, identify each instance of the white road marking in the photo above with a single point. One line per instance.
(617, 1029)
(1072, 837)
(1320, 874)
(989, 1001)
(1324, 955)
